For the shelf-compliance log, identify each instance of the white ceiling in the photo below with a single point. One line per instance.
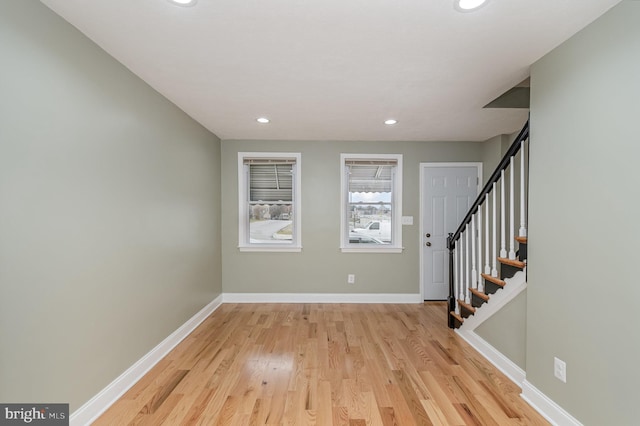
(334, 69)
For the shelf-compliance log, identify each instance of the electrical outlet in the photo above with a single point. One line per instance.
(351, 279)
(560, 369)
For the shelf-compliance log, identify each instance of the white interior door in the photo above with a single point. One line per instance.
(448, 191)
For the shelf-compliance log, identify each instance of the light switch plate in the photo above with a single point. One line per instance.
(407, 220)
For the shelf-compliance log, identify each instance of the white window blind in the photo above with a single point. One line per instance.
(269, 201)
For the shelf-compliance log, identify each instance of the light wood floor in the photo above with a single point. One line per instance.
(323, 364)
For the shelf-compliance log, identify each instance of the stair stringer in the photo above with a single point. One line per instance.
(513, 287)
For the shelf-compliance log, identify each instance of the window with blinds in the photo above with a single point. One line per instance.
(371, 186)
(270, 201)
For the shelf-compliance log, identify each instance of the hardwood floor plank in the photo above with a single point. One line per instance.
(340, 416)
(148, 379)
(413, 401)
(324, 410)
(194, 410)
(228, 411)
(388, 417)
(159, 416)
(323, 364)
(442, 398)
(471, 404)
(163, 393)
(258, 413)
(468, 416)
(401, 409)
(125, 412)
(435, 413)
(138, 397)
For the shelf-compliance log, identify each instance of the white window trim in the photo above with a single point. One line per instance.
(243, 214)
(396, 245)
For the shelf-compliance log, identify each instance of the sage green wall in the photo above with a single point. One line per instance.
(506, 330)
(493, 150)
(321, 267)
(491, 155)
(110, 218)
(583, 282)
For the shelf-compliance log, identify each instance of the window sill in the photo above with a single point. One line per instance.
(280, 249)
(371, 249)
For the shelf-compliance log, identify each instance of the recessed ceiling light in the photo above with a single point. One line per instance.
(183, 2)
(390, 121)
(468, 5)
(263, 120)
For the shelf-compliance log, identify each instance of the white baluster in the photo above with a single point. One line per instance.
(479, 285)
(456, 276)
(461, 288)
(512, 196)
(466, 258)
(474, 272)
(523, 230)
(494, 269)
(487, 268)
(503, 224)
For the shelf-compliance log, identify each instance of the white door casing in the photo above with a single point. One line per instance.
(447, 191)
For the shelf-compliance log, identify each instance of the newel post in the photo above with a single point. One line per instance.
(451, 300)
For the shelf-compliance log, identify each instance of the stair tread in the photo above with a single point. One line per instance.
(521, 240)
(513, 262)
(495, 280)
(456, 316)
(466, 305)
(480, 294)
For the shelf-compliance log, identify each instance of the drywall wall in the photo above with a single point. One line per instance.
(110, 217)
(582, 280)
(321, 267)
(491, 155)
(506, 330)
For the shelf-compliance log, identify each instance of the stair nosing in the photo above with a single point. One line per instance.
(467, 306)
(480, 294)
(512, 262)
(456, 316)
(495, 280)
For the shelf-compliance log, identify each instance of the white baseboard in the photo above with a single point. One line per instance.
(97, 405)
(495, 357)
(321, 298)
(547, 408)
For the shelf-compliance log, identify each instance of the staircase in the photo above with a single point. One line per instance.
(479, 244)
(508, 269)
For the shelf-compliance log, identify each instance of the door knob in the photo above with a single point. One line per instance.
(428, 244)
(427, 235)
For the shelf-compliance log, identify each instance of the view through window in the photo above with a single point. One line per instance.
(371, 193)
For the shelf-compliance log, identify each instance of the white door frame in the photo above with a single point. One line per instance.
(424, 166)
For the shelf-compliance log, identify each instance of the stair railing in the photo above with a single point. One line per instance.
(477, 236)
